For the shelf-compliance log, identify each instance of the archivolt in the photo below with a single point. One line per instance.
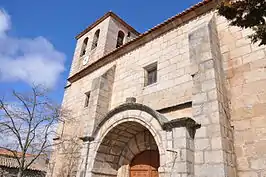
(187, 122)
(132, 106)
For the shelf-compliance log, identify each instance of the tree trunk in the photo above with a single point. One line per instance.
(19, 172)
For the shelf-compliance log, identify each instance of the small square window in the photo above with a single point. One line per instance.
(87, 99)
(150, 74)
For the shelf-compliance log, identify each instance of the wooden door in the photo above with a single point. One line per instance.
(145, 164)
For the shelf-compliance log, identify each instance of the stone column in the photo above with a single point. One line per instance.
(179, 155)
(84, 162)
(214, 155)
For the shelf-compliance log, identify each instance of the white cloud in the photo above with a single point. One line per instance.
(34, 61)
(4, 22)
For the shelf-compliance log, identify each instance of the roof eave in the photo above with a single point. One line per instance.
(108, 14)
(175, 21)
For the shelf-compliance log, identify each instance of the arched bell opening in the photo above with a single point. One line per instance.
(121, 150)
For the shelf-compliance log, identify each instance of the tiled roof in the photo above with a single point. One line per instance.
(204, 2)
(193, 8)
(8, 153)
(7, 159)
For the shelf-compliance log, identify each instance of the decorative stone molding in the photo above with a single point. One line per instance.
(131, 106)
(181, 122)
(86, 138)
(163, 121)
(176, 135)
(187, 122)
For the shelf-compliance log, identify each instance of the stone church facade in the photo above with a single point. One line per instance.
(186, 98)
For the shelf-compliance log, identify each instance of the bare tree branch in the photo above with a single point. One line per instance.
(30, 122)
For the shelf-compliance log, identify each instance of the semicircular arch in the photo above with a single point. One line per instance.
(108, 132)
(143, 118)
(139, 109)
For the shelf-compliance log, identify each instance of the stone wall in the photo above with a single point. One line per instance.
(113, 28)
(107, 42)
(94, 54)
(12, 172)
(206, 64)
(244, 65)
(173, 87)
(214, 141)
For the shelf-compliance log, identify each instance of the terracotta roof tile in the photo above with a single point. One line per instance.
(8, 153)
(8, 159)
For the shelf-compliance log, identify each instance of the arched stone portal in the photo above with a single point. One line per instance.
(120, 146)
(131, 129)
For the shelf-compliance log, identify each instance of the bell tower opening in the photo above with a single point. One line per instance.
(95, 39)
(100, 38)
(120, 39)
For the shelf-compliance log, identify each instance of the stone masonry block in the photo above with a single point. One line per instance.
(202, 119)
(180, 143)
(146, 116)
(199, 157)
(248, 174)
(208, 85)
(258, 164)
(134, 113)
(216, 143)
(199, 98)
(214, 156)
(240, 51)
(202, 144)
(202, 132)
(208, 170)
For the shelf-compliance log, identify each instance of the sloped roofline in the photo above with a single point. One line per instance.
(9, 153)
(177, 20)
(7, 159)
(108, 14)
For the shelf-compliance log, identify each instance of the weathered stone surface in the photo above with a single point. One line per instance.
(205, 62)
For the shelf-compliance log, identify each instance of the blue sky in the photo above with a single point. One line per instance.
(43, 33)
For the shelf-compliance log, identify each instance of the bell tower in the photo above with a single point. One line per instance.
(100, 38)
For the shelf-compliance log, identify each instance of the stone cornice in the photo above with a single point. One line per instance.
(181, 122)
(158, 30)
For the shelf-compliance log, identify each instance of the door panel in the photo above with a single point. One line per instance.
(145, 164)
